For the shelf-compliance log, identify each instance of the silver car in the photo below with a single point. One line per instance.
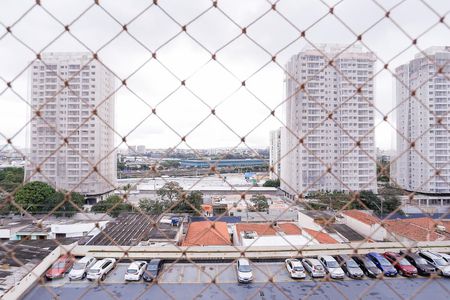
(331, 266)
(314, 267)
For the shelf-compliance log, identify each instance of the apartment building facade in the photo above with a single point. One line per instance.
(423, 142)
(71, 136)
(328, 143)
(275, 153)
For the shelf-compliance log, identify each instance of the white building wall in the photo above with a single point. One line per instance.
(307, 222)
(315, 139)
(65, 88)
(275, 153)
(374, 232)
(417, 120)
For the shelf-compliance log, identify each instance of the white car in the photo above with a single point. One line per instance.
(314, 267)
(135, 270)
(101, 268)
(331, 266)
(295, 268)
(436, 261)
(244, 270)
(80, 267)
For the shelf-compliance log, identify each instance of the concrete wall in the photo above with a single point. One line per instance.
(374, 232)
(308, 222)
(215, 252)
(30, 280)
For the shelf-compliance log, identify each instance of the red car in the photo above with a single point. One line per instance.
(403, 266)
(60, 267)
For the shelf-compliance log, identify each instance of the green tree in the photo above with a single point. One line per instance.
(113, 205)
(272, 183)
(383, 170)
(170, 191)
(11, 178)
(67, 209)
(260, 202)
(189, 203)
(34, 196)
(154, 207)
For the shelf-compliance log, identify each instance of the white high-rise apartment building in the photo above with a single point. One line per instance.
(275, 153)
(329, 121)
(72, 147)
(424, 120)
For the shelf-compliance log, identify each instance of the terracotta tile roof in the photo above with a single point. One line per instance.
(417, 229)
(202, 234)
(268, 229)
(321, 237)
(362, 216)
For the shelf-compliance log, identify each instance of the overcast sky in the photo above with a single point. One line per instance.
(208, 84)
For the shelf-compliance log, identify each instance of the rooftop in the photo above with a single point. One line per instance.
(269, 229)
(321, 237)
(419, 229)
(207, 233)
(362, 216)
(130, 229)
(345, 231)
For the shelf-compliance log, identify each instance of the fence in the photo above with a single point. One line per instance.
(82, 82)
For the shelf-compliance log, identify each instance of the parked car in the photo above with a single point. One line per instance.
(80, 267)
(60, 267)
(367, 266)
(314, 267)
(437, 261)
(135, 270)
(101, 268)
(152, 270)
(349, 266)
(295, 268)
(382, 263)
(331, 266)
(445, 256)
(403, 266)
(422, 266)
(244, 270)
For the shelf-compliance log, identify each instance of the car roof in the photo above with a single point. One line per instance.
(375, 254)
(295, 262)
(327, 257)
(431, 254)
(85, 259)
(137, 262)
(155, 261)
(314, 260)
(392, 254)
(243, 261)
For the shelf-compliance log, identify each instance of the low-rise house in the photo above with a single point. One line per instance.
(364, 223)
(207, 233)
(417, 229)
(279, 234)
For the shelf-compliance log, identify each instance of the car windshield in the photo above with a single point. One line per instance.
(244, 268)
(384, 262)
(421, 261)
(440, 262)
(332, 264)
(351, 264)
(132, 271)
(79, 266)
(152, 267)
(405, 262)
(298, 268)
(369, 263)
(58, 265)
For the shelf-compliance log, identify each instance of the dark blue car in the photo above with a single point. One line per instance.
(382, 263)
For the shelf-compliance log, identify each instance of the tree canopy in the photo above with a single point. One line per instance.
(113, 205)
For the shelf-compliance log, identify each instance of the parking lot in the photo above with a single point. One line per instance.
(187, 280)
